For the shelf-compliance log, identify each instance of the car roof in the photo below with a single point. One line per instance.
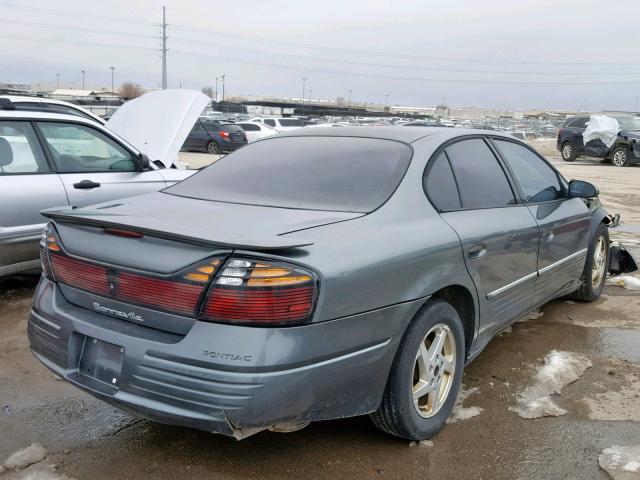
(29, 115)
(400, 134)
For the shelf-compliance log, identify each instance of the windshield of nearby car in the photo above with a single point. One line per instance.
(316, 173)
(291, 122)
(628, 123)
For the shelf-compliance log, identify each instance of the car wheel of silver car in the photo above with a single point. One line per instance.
(213, 148)
(620, 157)
(425, 378)
(595, 268)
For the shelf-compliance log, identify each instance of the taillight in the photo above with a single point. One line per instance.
(261, 292)
(49, 242)
(224, 134)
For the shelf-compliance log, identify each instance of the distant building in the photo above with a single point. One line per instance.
(74, 94)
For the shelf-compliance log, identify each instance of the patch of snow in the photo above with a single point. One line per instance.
(459, 411)
(34, 453)
(621, 463)
(559, 370)
(421, 443)
(628, 282)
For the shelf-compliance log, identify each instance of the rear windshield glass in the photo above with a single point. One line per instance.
(318, 173)
(291, 122)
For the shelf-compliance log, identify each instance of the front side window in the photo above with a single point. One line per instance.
(317, 173)
(78, 148)
(481, 180)
(19, 149)
(538, 181)
(441, 186)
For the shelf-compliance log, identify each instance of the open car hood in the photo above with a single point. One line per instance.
(157, 123)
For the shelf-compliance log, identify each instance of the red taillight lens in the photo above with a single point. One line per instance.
(224, 134)
(79, 274)
(256, 292)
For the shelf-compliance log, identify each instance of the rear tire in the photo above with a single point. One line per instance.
(406, 410)
(620, 157)
(595, 268)
(568, 152)
(213, 148)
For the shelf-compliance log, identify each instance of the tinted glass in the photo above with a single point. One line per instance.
(19, 149)
(291, 122)
(51, 107)
(77, 148)
(270, 122)
(580, 122)
(538, 181)
(441, 186)
(248, 127)
(480, 178)
(319, 173)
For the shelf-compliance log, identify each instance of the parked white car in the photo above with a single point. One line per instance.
(256, 130)
(53, 159)
(280, 124)
(49, 105)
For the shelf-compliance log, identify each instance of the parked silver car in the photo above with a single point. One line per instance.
(313, 275)
(50, 159)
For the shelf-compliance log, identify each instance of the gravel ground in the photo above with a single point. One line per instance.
(582, 358)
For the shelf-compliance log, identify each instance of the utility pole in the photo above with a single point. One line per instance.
(224, 76)
(112, 70)
(304, 81)
(387, 100)
(310, 94)
(83, 72)
(216, 89)
(164, 47)
(349, 100)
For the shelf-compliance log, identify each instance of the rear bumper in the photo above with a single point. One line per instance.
(226, 379)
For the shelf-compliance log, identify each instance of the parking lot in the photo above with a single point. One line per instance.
(488, 435)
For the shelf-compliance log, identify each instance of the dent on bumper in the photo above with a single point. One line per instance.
(227, 379)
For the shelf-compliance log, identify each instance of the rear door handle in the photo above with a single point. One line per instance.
(86, 184)
(477, 251)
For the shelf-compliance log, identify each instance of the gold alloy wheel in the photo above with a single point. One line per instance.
(598, 267)
(434, 370)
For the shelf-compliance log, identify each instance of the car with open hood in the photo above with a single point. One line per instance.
(313, 275)
(56, 159)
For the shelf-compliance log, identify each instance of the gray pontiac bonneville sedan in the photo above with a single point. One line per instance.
(314, 275)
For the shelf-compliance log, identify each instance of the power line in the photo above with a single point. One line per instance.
(79, 29)
(403, 66)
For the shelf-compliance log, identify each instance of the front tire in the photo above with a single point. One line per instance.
(620, 157)
(595, 268)
(569, 152)
(426, 375)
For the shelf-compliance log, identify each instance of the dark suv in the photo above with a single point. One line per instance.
(215, 136)
(624, 152)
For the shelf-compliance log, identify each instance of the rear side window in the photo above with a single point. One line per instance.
(291, 122)
(538, 181)
(248, 127)
(481, 180)
(317, 173)
(441, 186)
(19, 149)
(270, 122)
(579, 122)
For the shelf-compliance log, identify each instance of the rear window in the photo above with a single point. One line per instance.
(291, 122)
(317, 173)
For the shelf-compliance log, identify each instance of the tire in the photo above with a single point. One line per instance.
(213, 148)
(568, 152)
(398, 414)
(595, 268)
(620, 157)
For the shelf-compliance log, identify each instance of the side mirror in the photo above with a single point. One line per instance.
(580, 189)
(142, 162)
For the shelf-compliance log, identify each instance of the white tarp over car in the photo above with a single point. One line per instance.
(601, 127)
(157, 123)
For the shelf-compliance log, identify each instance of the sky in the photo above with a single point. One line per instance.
(516, 55)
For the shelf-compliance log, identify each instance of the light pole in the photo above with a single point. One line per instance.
(304, 81)
(112, 70)
(57, 81)
(83, 72)
(224, 76)
(386, 104)
(216, 89)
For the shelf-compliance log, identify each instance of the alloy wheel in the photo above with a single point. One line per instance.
(620, 158)
(567, 151)
(598, 266)
(434, 370)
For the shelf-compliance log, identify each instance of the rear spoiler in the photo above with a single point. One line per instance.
(172, 231)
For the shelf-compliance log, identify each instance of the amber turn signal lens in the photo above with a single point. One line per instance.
(197, 277)
(278, 281)
(269, 272)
